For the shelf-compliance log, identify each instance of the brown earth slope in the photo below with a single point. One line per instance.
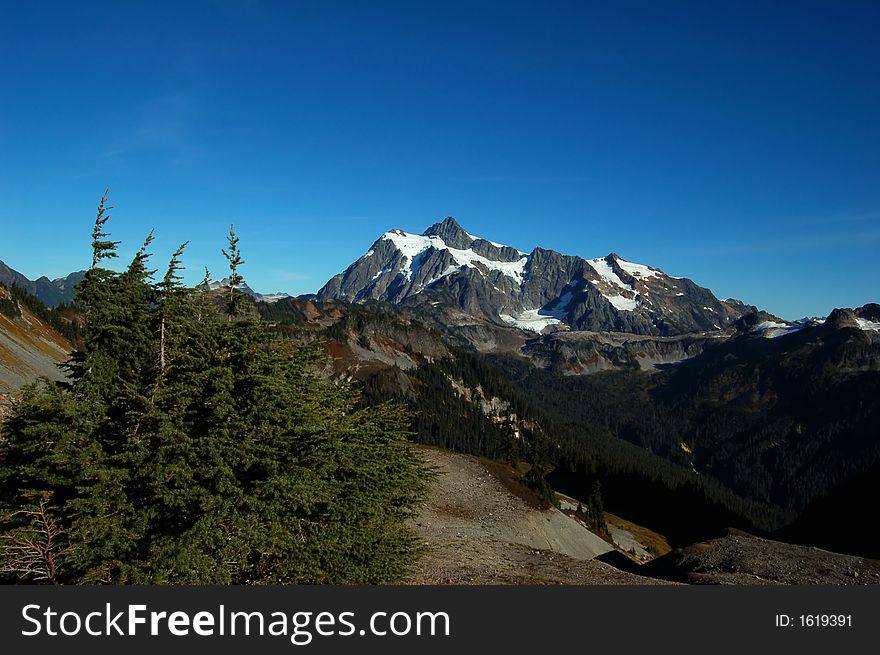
(29, 348)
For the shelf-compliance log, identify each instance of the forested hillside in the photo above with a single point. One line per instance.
(747, 434)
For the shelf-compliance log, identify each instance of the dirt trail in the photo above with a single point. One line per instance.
(477, 532)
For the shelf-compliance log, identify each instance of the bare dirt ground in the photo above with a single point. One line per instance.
(477, 532)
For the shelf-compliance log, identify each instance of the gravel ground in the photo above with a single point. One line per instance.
(477, 532)
(746, 560)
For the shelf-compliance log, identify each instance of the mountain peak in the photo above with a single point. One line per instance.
(449, 266)
(448, 223)
(451, 232)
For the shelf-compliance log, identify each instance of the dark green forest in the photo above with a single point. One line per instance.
(779, 422)
(191, 444)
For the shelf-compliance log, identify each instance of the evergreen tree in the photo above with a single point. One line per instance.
(235, 300)
(595, 513)
(189, 449)
(170, 294)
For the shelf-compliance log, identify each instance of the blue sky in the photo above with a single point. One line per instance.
(737, 144)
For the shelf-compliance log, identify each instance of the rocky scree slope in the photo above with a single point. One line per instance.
(477, 532)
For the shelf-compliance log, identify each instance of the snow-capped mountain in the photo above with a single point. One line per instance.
(539, 291)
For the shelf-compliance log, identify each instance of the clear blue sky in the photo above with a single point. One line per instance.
(734, 143)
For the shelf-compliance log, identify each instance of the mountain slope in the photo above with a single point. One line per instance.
(538, 291)
(781, 420)
(477, 532)
(29, 347)
(754, 424)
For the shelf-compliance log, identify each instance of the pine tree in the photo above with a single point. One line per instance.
(595, 509)
(235, 302)
(170, 294)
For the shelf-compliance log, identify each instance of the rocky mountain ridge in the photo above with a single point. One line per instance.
(51, 293)
(541, 291)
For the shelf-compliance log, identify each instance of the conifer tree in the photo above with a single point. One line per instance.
(169, 296)
(184, 448)
(234, 297)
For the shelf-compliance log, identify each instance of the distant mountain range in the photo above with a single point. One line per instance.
(61, 291)
(51, 292)
(540, 291)
(265, 297)
(447, 270)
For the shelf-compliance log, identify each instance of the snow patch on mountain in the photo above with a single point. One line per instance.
(603, 268)
(413, 245)
(449, 271)
(531, 319)
(536, 320)
(637, 270)
(213, 285)
(774, 329)
(622, 302)
(865, 324)
(273, 297)
(559, 308)
(606, 272)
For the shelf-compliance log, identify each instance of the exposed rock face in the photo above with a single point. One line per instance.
(582, 353)
(869, 312)
(841, 318)
(541, 291)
